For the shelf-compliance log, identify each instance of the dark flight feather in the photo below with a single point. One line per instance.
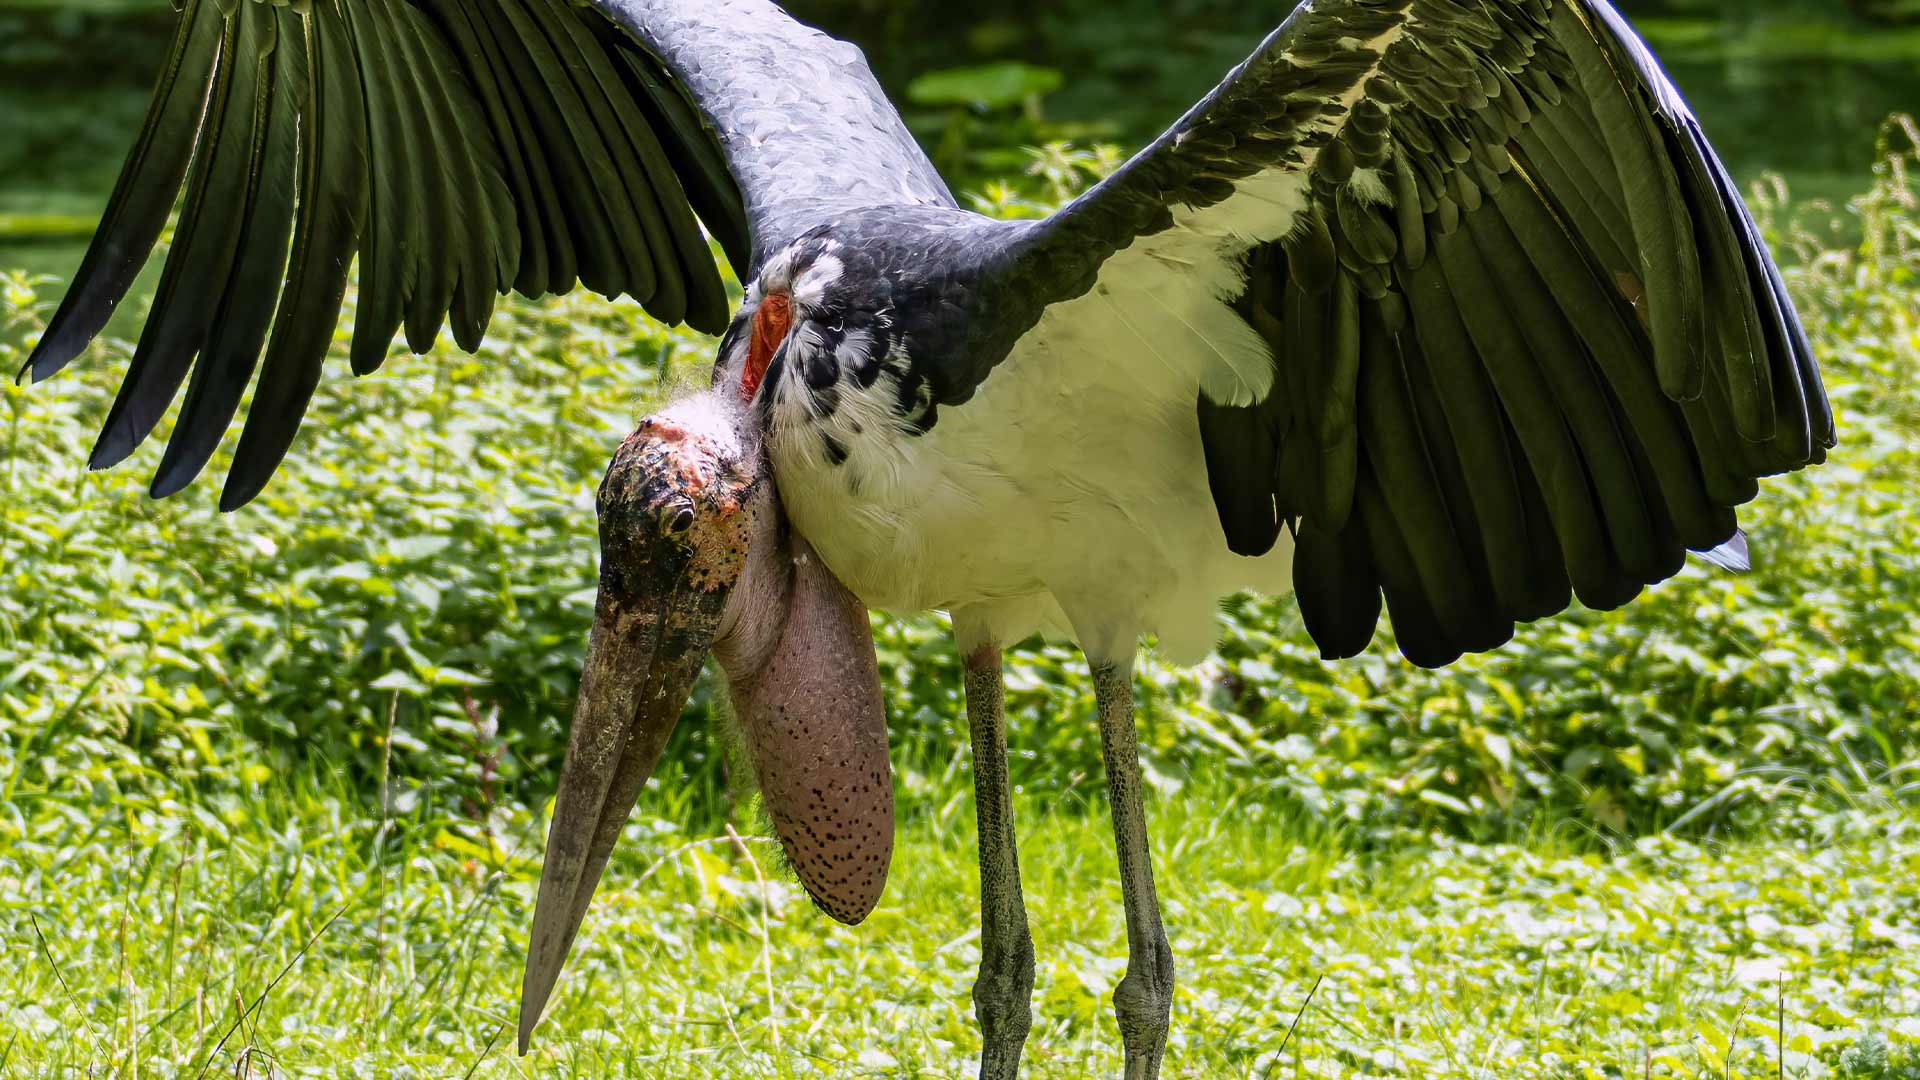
(547, 260)
(334, 195)
(1661, 229)
(689, 142)
(204, 246)
(227, 363)
(142, 196)
(442, 170)
(395, 232)
(600, 212)
(459, 150)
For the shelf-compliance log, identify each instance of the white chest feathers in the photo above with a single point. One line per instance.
(1069, 494)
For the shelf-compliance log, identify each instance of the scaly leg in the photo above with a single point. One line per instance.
(1144, 999)
(1003, 994)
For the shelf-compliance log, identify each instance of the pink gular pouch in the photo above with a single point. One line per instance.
(697, 558)
(807, 697)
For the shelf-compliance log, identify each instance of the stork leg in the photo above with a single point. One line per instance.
(1144, 999)
(1003, 994)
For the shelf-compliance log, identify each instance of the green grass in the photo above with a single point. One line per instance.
(320, 938)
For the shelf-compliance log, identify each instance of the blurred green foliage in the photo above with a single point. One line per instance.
(424, 563)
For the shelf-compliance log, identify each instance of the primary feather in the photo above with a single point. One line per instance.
(457, 151)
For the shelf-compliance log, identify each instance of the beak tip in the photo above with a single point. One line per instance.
(529, 1017)
(535, 988)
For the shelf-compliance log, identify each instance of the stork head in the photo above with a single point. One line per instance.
(696, 559)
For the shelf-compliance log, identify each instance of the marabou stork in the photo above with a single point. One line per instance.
(1442, 301)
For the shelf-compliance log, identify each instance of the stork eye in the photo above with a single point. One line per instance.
(679, 519)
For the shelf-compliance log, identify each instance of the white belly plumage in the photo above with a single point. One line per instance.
(1068, 496)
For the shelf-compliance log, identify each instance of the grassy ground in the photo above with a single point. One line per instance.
(288, 932)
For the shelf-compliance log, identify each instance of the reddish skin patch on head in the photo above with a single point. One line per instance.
(663, 429)
(674, 450)
(771, 320)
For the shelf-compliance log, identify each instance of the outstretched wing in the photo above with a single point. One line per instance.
(1506, 331)
(458, 148)
(807, 129)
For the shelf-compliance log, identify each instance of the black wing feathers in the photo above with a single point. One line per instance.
(1598, 326)
(570, 135)
(1617, 99)
(205, 244)
(335, 186)
(686, 141)
(1530, 343)
(397, 198)
(458, 149)
(240, 326)
(142, 197)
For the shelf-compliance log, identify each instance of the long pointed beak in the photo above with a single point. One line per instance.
(643, 658)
